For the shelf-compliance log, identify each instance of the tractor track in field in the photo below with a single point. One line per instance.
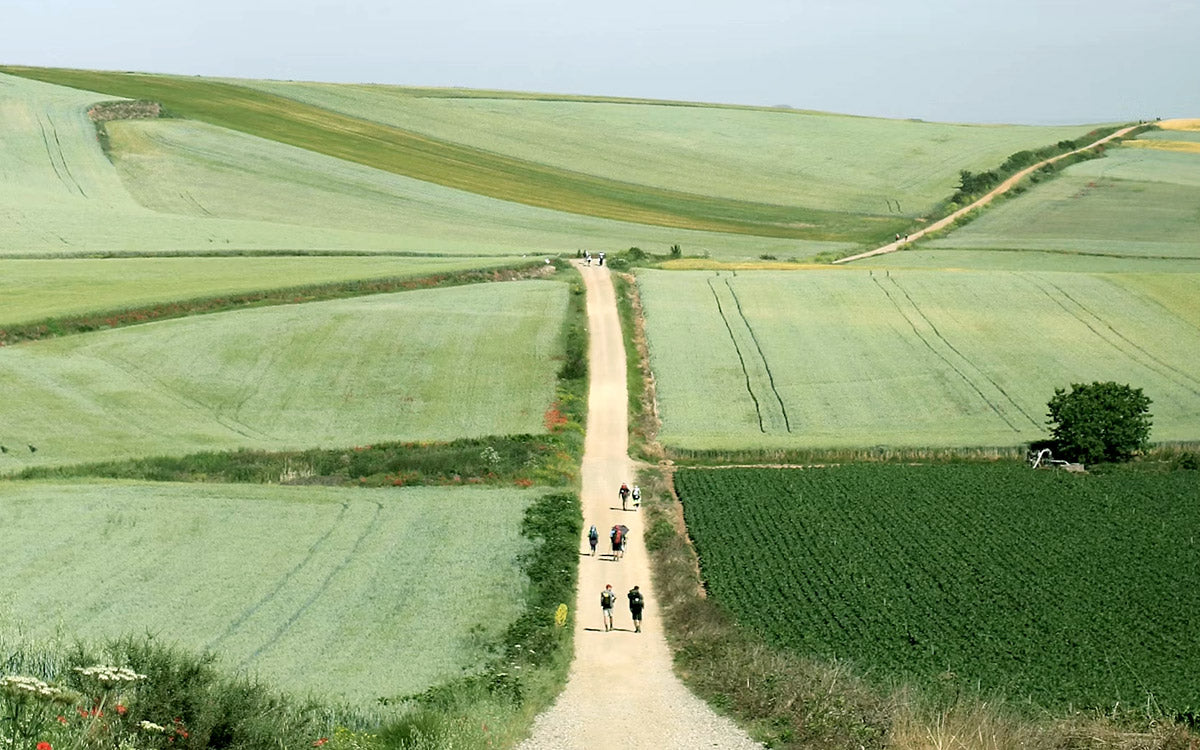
(320, 591)
(934, 350)
(964, 357)
(762, 355)
(759, 405)
(1147, 359)
(281, 583)
(69, 180)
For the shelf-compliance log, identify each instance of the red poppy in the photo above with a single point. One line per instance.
(320, 742)
(44, 746)
(62, 719)
(121, 709)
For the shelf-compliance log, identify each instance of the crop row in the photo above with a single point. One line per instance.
(1059, 589)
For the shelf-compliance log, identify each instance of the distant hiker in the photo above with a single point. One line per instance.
(601, 258)
(607, 600)
(897, 236)
(587, 257)
(617, 536)
(593, 538)
(637, 497)
(636, 603)
(624, 493)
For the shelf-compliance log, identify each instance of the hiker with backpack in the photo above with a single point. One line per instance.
(617, 535)
(593, 538)
(607, 601)
(636, 603)
(637, 497)
(624, 493)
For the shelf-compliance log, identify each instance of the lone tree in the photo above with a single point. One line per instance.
(1099, 421)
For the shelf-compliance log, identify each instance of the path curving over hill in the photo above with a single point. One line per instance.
(621, 690)
(997, 191)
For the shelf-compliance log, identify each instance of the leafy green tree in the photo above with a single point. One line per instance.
(1098, 422)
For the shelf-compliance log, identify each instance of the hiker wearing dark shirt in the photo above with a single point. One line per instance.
(607, 601)
(636, 603)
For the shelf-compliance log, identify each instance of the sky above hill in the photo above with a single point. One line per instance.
(1030, 61)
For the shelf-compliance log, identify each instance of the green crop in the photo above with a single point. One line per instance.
(1061, 589)
(423, 365)
(322, 591)
(860, 358)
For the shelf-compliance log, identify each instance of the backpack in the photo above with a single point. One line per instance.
(592, 533)
(607, 598)
(617, 535)
(635, 600)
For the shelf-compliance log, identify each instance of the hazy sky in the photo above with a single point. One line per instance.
(1036, 61)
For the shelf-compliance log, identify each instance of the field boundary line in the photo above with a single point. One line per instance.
(944, 358)
(964, 357)
(982, 201)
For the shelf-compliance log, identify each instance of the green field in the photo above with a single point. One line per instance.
(1134, 203)
(740, 153)
(1060, 589)
(860, 358)
(188, 187)
(424, 365)
(319, 590)
(37, 289)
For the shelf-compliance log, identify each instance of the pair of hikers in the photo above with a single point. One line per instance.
(625, 494)
(608, 600)
(618, 536)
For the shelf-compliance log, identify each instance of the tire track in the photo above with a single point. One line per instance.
(1180, 377)
(964, 357)
(741, 359)
(762, 355)
(281, 583)
(63, 157)
(372, 525)
(970, 383)
(50, 153)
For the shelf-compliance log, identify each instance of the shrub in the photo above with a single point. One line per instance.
(1100, 421)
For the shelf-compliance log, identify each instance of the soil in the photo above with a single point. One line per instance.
(621, 688)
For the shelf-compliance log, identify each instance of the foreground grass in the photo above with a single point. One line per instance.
(268, 576)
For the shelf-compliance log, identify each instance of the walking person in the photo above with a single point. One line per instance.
(618, 541)
(637, 497)
(624, 493)
(607, 601)
(593, 538)
(636, 603)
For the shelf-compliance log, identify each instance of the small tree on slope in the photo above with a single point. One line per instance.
(1099, 422)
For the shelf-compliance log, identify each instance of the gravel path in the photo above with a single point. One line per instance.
(999, 190)
(621, 690)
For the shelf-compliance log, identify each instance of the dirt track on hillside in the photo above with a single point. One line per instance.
(621, 691)
(999, 190)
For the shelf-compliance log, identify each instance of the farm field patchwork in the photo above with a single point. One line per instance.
(423, 365)
(465, 168)
(37, 289)
(830, 162)
(1135, 202)
(1059, 589)
(861, 358)
(346, 594)
(185, 186)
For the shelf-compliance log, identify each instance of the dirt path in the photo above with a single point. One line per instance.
(1000, 189)
(621, 690)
